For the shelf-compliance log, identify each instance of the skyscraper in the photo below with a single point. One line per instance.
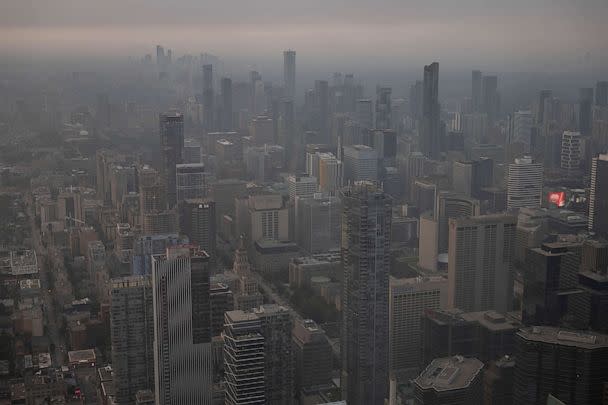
(524, 183)
(572, 152)
(585, 110)
(171, 149)
(360, 163)
(183, 362)
(571, 366)
(226, 116)
(132, 335)
(601, 94)
(192, 181)
(289, 73)
(366, 224)
(430, 136)
(543, 96)
(598, 195)
(313, 355)
(208, 99)
(476, 90)
(318, 223)
(197, 221)
(322, 108)
(480, 250)
(489, 97)
(383, 108)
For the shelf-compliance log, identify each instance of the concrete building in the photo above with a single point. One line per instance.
(132, 336)
(524, 183)
(360, 163)
(301, 186)
(452, 205)
(318, 223)
(572, 151)
(365, 325)
(364, 113)
(172, 149)
(330, 173)
(598, 195)
(408, 299)
(262, 131)
(192, 181)
(183, 362)
(313, 356)
(289, 73)
(480, 252)
(268, 218)
(450, 380)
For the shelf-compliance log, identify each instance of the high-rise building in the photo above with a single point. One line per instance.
(330, 173)
(498, 381)
(208, 99)
(550, 270)
(244, 356)
(520, 130)
(585, 111)
(524, 183)
(409, 298)
(289, 73)
(226, 116)
(360, 163)
(191, 181)
(221, 300)
(172, 149)
(601, 94)
(544, 95)
(450, 380)
(132, 335)
(313, 356)
(476, 90)
(489, 97)
(572, 152)
(318, 223)
(430, 136)
(469, 177)
(598, 195)
(364, 114)
(322, 108)
(301, 186)
(383, 108)
(572, 366)
(197, 221)
(451, 205)
(365, 327)
(192, 151)
(183, 362)
(480, 275)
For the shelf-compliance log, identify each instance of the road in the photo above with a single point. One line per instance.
(53, 319)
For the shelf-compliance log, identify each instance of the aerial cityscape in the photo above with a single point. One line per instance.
(208, 203)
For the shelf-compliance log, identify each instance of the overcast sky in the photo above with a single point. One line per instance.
(498, 34)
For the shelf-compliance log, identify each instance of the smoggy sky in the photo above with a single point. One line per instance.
(498, 34)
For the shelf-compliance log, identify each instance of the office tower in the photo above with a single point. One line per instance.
(498, 381)
(572, 152)
(524, 183)
(601, 94)
(266, 218)
(183, 363)
(585, 111)
(289, 74)
(475, 127)
(226, 116)
(172, 149)
(598, 195)
(208, 99)
(571, 366)
(276, 327)
(262, 130)
(385, 144)
(131, 334)
(192, 151)
(383, 108)
(360, 163)
(451, 205)
(313, 356)
(430, 136)
(259, 97)
(486, 335)
(301, 186)
(330, 173)
(192, 181)
(489, 97)
(364, 114)
(543, 97)
(450, 380)
(520, 130)
(221, 300)
(322, 107)
(197, 221)
(470, 177)
(313, 153)
(160, 58)
(248, 295)
(408, 299)
(318, 223)
(244, 356)
(549, 271)
(366, 260)
(479, 262)
(416, 100)
(476, 90)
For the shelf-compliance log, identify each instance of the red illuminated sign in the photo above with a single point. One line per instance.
(558, 198)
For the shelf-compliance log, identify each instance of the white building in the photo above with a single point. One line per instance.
(571, 150)
(524, 183)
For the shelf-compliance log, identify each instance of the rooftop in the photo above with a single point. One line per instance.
(562, 337)
(449, 373)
